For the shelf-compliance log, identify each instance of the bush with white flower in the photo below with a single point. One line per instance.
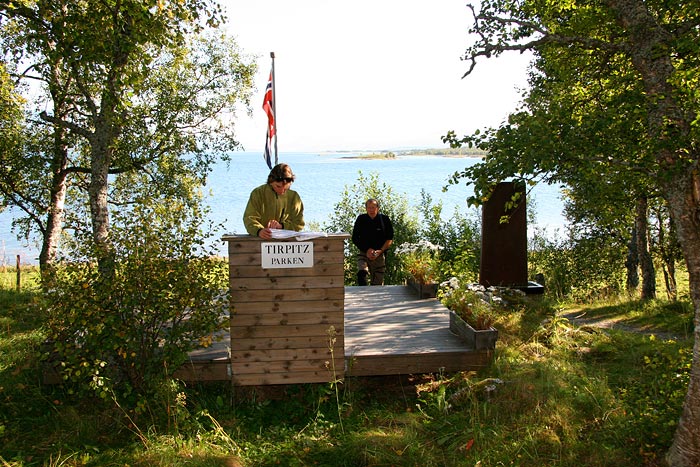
(421, 260)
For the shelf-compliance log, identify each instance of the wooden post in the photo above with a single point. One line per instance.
(19, 273)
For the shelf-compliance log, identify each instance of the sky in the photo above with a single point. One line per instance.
(369, 74)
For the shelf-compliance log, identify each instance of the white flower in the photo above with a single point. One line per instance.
(421, 246)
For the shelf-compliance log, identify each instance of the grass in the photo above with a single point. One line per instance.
(555, 395)
(28, 277)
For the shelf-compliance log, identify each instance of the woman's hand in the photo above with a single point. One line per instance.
(266, 233)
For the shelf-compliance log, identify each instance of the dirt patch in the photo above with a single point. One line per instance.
(580, 318)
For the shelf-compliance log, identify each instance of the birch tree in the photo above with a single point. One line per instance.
(130, 85)
(628, 64)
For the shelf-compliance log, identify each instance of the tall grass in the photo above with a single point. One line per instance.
(28, 277)
(555, 395)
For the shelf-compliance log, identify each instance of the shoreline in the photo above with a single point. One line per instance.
(391, 155)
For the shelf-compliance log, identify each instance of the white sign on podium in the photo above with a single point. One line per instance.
(287, 254)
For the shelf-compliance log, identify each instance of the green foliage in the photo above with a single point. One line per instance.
(420, 260)
(656, 405)
(589, 119)
(11, 118)
(131, 87)
(553, 390)
(459, 237)
(583, 270)
(549, 257)
(394, 205)
(125, 336)
(23, 171)
(472, 303)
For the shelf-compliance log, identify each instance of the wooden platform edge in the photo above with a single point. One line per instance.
(202, 371)
(220, 370)
(381, 365)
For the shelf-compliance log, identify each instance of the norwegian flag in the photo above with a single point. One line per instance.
(269, 108)
(268, 151)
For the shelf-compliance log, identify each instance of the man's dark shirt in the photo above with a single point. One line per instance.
(371, 233)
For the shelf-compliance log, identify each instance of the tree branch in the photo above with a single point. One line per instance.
(486, 46)
(65, 124)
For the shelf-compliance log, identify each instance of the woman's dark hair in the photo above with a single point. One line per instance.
(281, 172)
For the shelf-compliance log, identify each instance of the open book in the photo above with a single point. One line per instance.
(300, 236)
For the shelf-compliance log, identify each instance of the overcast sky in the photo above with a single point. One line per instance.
(369, 74)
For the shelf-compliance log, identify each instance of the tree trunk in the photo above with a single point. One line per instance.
(669, 129)
(99, 208)
(632, 263)
(101, 152)
(641, 222)
(59, 162)
(57, 196)
(666, 251)
(684, 201)
(670, 281)
(103, 141)
(54, 219)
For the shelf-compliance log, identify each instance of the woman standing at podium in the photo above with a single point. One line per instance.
(274, 205)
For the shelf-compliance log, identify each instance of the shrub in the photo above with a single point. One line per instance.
(477, 305)
(653, 405)
(584, 270)
(459, 237)
(124, 336)
(394, 205)
(420, 260)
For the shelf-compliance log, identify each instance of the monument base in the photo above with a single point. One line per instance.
(532, 288)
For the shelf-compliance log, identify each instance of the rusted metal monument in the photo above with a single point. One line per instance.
(504, 240)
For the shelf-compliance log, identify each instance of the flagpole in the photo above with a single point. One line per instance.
(274, 102)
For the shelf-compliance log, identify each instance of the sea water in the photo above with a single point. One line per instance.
(320, 181)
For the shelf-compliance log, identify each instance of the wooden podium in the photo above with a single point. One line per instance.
(287, 318)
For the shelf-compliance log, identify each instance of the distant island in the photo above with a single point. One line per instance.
(386, 154)
(375, 155)
(447, 152)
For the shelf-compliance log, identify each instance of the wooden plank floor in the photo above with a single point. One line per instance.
(388, 331)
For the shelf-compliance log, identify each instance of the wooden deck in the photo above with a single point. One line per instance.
(388, 331)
